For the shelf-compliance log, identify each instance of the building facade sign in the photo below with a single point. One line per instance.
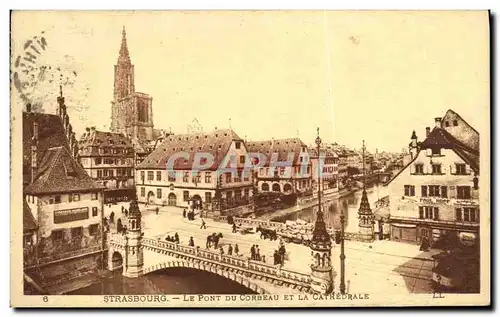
(68, 215)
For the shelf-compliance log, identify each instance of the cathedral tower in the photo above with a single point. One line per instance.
(131, 111)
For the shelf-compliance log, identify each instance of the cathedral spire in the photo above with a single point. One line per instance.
(124, 56)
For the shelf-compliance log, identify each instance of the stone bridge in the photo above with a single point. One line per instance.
(258, 276)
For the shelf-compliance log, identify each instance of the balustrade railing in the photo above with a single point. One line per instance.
(234, 260)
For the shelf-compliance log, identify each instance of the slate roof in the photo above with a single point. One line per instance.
(59, 172)
(440, 138)
(91, 141)
(216, 143)
(29, 222)
(324, 152)
(50, 134)
(443, 139)
(280, 146)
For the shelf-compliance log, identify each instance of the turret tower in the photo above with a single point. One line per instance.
(134, 254)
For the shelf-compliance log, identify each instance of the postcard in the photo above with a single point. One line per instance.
(250, 158)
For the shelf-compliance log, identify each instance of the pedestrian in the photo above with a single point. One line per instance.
(157, 210)
(236, 249)
(126, 212)
(230, 250)
(264, 258)
(234, 228)
(276, 256)
(112, 217)
(184, 211)
(252, 252)
(221, 250)
(123, 208)
(176, 237)
(203, 224)
(257, 253)
(191, 242)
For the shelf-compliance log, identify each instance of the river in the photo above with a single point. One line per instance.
(332, 208)
(168, 281)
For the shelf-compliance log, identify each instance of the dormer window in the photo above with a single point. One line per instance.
(447, 123)
(237, 145)
(436, 151)
(419, 168)
(455, 123)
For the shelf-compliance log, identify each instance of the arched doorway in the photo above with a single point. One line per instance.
(265, 187)
(197, 203)
(116, 261)
(276, 187)
(287, 188)
(172, 199)
(151, 197)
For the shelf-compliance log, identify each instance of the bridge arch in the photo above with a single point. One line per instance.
(211, 268)
(116, 259)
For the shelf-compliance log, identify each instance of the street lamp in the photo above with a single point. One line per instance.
(342, 255)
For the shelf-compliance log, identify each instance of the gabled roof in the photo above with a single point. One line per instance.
(58, 173)
(216, 143)
(282, 148)
(440, 138)
(91, 141)
(51, 133)
(313, 152)
(29, 222)
(451, 112)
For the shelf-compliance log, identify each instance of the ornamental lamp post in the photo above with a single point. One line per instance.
(342, 255)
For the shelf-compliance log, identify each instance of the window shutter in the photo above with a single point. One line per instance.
(444, 192)
(424, 191)
(436, 213)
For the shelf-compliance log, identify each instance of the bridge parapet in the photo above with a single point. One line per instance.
(237, 262)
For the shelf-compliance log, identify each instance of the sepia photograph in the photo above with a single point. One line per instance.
(250, 158)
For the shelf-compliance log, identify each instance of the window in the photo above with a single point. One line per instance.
(242, 159)
(57, 199)
(111, 172)
(98, 161)
(158, 193)
(424, 191)
(237, 176)
(460, 169)
(150, 175)
(463, 192)
(455, 123)
(70, 198)
(447, 123)
(237, 195)
(470, 214)
(208, 197)
(76, 232)
(245, 175)
(428, 212)
(185, 178)
(143, 192)
(228, 178)
(93, 229)
(186, 195)
(308, 169)
(57, 235)
(142, 175)
(171, 176)
(208, 177)
(198, 177)
(409, 190)
(94, 211)
(265, 187)
(282, 171)
(436, 168)
(158, 176)
(433, 191)
(419, 168)
(76, 197)
(237, 144)
(444, 192)
(436, 151)
(247, 192)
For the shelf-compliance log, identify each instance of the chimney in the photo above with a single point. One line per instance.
(34, 149)
(427, 131)
(438, 122)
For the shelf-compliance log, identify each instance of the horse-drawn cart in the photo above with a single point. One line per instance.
(246, 230)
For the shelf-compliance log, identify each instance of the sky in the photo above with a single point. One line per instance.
(360, 75)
